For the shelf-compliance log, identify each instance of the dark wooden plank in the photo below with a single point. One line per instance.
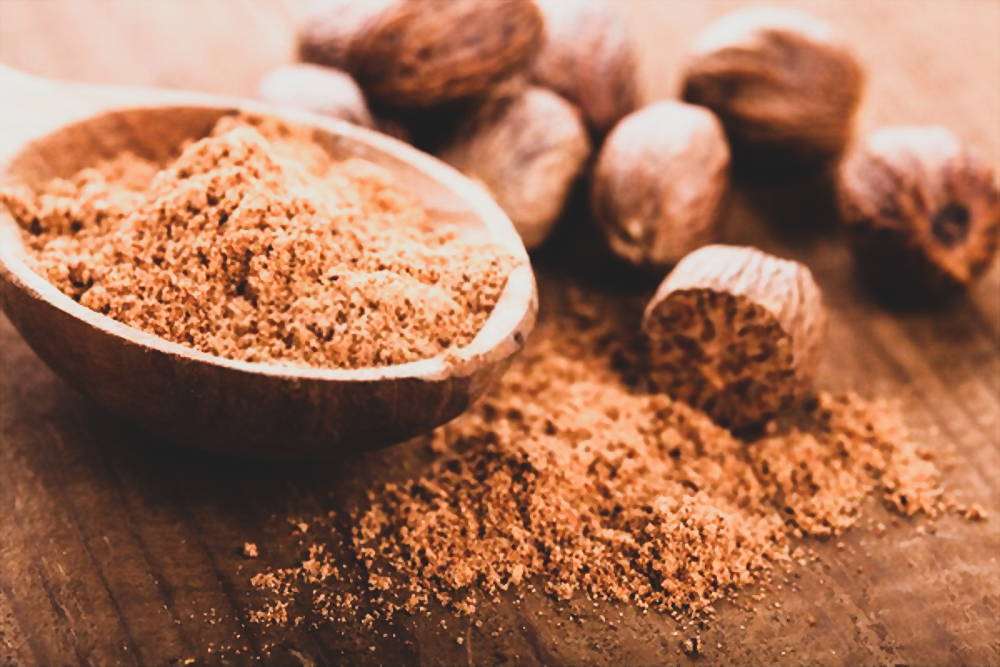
(115, 549)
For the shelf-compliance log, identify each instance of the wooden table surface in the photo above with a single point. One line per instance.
(115, 549)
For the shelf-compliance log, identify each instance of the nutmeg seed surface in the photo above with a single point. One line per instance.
(735, 332)
(328, 31)
(526, 148)
(782, 83)
(659, 183)
(922, 207)
(322, 90)
(588, 57)
(421, 53)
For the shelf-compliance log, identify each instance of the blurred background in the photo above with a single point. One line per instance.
(929, 61)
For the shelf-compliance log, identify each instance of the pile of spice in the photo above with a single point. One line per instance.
(573, 478)
(254, 244)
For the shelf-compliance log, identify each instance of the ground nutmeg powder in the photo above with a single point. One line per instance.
(254, 244)
(571, 477)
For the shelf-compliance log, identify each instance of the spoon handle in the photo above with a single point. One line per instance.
(31, 106)
(27, 104)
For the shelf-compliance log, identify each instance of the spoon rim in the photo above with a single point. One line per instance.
(512, 316)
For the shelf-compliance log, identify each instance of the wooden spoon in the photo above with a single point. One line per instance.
(52, 129)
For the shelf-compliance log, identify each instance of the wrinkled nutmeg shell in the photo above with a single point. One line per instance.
(659, 183)
(431, 128)
(735, 332)
(588, 57)
(421, 53)
(328, 31)
(322, 90)
(922, 208)
(783, 85)
(526, 149)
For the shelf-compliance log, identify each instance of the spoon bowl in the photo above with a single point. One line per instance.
(260, 410)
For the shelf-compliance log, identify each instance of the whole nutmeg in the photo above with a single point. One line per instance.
(526, 149)
(782, 83)
(323, 90)
(735, 332)
(659, 183)
(430, 129)
(588, 57)
(923, 210)
(421, 53)
(328, 30)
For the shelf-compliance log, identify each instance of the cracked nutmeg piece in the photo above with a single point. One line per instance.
(782, 83)
(659, 183)
(735, 332)
(422, 53)
(526, 148)
(588, 57)
(923, 210)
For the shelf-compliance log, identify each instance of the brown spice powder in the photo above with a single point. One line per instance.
(571, 476)
(255, 245)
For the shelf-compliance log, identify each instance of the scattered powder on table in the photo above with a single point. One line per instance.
(571, 478)
(254, 244)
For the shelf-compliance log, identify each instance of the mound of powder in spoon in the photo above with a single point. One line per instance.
(254, 244)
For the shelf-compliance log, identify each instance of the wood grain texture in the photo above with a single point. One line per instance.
(117, 550)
